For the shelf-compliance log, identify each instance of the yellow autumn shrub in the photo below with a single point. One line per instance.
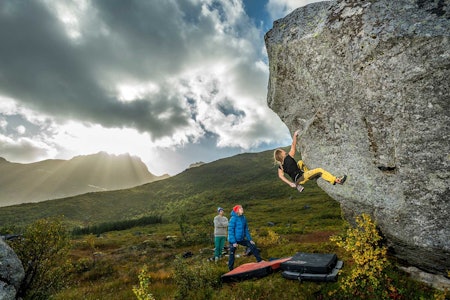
(267, 238)
(363, 243)
(142, 292)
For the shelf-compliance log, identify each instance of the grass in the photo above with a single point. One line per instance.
(114, 261)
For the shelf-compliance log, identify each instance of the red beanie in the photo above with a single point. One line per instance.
(236, 208)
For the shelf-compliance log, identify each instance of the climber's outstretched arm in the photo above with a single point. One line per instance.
(294, 143)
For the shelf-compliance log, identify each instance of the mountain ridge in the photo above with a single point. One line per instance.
(57, 178)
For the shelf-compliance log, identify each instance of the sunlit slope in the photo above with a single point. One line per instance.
(240, 178)
(52, 179)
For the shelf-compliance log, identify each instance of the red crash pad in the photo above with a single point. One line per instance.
(253, 270)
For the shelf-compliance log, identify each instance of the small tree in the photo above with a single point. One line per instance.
(43, 250)
(142, 292)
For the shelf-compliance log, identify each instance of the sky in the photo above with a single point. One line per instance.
(173, 82)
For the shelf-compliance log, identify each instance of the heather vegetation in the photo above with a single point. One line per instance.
(43, 249)
(140, 256)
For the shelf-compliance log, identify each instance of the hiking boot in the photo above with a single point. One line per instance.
(342, 179)
(300, 188)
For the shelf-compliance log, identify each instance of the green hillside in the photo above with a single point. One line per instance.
(224, 182)
(282, 222)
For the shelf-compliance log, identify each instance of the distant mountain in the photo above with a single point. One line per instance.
(52, 179)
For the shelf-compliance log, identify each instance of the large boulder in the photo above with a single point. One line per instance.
(11, 272)
(369, 84)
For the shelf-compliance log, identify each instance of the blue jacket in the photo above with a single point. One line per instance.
(238, 228)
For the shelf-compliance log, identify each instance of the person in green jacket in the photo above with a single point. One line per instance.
(220, 233)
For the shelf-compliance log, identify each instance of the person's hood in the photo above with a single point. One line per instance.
(234, 214)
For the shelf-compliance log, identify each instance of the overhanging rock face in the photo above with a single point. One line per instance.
(371, 80)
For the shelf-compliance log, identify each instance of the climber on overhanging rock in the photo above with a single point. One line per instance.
(299, 173)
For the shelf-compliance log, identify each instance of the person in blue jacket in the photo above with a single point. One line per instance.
(238, 234)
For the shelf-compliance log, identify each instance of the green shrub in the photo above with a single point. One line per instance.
(196, 280)
(367, 276)
(142, 292)
(43, 250)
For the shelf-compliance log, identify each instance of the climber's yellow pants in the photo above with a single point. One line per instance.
(314, 173)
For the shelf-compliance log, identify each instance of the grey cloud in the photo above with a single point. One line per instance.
(41, 66)
(227, 108)
(12, 122)
(23, 150)
(144, 39)
(162, 117)
(120, 41)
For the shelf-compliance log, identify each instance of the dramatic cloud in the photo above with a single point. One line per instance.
(143, 77)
